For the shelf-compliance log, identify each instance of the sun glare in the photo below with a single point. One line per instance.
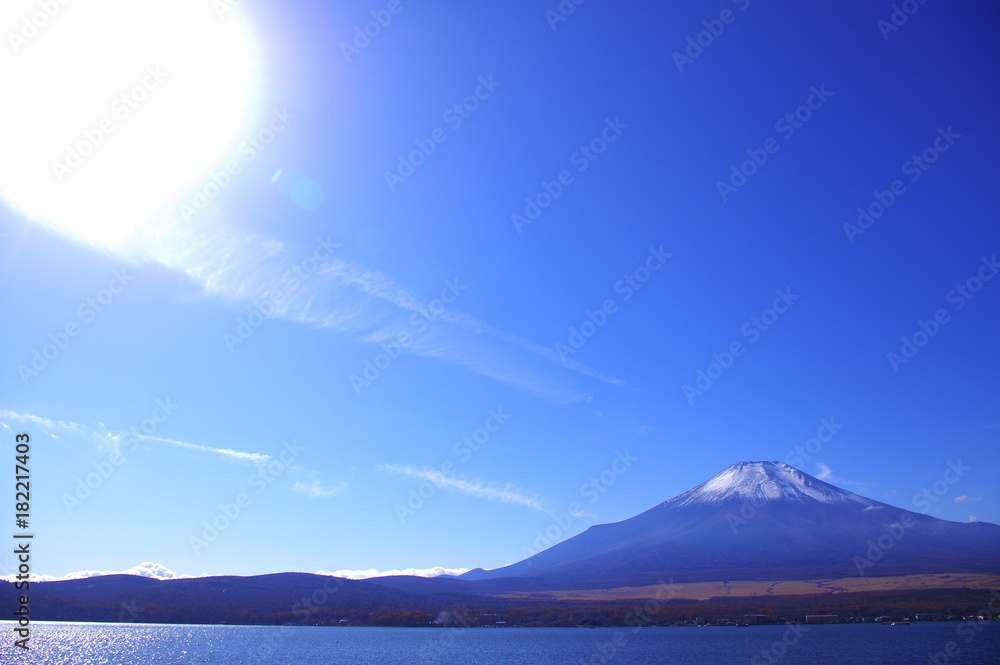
(115, 107)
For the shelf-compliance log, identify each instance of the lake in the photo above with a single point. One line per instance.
(851, 644)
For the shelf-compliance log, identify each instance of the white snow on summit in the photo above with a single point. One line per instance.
(759, 482)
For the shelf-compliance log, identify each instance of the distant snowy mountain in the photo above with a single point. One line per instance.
(752, 521)
(757, 521)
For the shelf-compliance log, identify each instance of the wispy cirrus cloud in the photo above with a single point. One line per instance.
(965, 499)
(502, 492)
(114, 438)
(317, 287)
(47, 424)
(228, 453)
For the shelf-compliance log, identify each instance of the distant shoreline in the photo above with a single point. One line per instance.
(304, 599)
(4, 622)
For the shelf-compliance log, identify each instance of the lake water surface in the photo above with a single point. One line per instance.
(854, 644)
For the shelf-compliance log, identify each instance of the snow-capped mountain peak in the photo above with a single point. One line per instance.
(760, 482)
(798, 527)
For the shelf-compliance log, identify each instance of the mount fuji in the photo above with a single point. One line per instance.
(755, 529)
(756, 521)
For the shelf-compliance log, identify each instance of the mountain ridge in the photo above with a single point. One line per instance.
(759, 524)
(758, 520)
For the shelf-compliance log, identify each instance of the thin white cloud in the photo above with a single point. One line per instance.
(504, 493)
(372, 572)
(229, 453)
(46, 424)
(973, 518)
(965, 499)
(343, 296)
(115, 438)
(586, 514)
(826, 473)
(315, 490)
(457, 338)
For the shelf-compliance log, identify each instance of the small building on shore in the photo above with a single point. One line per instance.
(822, 618)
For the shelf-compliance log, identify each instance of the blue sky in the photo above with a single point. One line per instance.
(233, 332)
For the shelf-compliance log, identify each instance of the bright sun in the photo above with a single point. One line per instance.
(114, 107)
